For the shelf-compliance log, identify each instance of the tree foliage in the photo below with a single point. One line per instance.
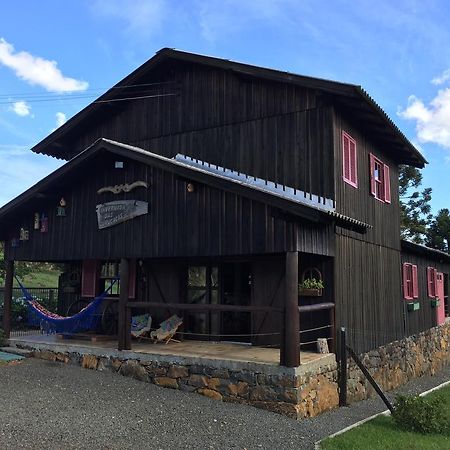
(438, 235)
(415, 205)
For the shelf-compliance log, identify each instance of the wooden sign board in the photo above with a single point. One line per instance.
(113, 213)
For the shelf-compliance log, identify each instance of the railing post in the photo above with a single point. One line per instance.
(123, 325)
(290, 351)
(7, 297)
(342, 367)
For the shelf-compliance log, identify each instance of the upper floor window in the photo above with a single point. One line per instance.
(410, 281)
(349, 160)
(431, 282)
(380, 185)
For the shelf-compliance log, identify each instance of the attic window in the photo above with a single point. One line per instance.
(349, 160)
(380, 182)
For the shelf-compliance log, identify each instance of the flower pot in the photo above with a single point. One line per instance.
(413, 306)
(435, 302)
(304, 292)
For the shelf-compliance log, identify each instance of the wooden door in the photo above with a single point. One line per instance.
(440, 309)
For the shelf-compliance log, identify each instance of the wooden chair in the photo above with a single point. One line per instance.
(167, 330)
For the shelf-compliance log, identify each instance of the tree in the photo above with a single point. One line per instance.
(21, 269)
(438, 235)
(415, 205)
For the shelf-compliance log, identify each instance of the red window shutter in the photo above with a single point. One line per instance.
(132, 280)
(405, 281)
(353, 165)
(89, 278)
(431, 282)
(373, 190)
(346, 156)
(415, 282)
(387, 184)
(434, 283)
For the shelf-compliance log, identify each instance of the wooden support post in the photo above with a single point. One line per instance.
(123, 325)
(7, 297)
(290, 351)
(342, 367)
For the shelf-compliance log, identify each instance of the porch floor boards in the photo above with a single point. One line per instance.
(190, 349)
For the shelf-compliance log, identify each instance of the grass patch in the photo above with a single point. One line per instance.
(382, 433)
(42, 279)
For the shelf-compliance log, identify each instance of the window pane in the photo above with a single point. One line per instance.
(197, 276)
(214, 277)
(197, 296)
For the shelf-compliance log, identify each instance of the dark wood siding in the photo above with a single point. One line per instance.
(368, 293)
(275, 131)
(179, 224)
(425, 317)
(358, 202)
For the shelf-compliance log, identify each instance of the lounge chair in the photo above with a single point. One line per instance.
(141, 325)
(167, 329)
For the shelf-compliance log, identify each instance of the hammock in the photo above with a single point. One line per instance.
(86, 319)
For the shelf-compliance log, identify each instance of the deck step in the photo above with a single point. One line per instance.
(16, 351)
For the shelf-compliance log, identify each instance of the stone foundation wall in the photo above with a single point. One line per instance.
(296, 393)
(394, 364)
(305, 391)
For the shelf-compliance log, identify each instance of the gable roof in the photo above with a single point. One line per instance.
(294, 207)
(350, 96)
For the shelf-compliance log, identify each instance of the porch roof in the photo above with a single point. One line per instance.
(318, 213)
(423, 249)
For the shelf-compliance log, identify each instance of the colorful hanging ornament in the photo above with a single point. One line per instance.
(61, 210)
(44, 223)
(37, 222)
(24, 235)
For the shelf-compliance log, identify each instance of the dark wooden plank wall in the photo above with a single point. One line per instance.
(206, 222)
(368, 293)
(425, 317)
(359, 203)
(276, 131)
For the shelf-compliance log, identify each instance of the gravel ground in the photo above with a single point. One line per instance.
(45, 405)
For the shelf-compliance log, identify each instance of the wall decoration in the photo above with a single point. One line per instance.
(44, 223)
(24, 235)
(15, 242)
(37, 222)
(118, 188)
(61, 210)
(112, 213)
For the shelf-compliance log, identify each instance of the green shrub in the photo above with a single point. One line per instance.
(420, 414)
(311, 283)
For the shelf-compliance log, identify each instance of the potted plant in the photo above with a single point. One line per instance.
(310, 287)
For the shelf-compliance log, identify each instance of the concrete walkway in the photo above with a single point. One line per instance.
(45, 405)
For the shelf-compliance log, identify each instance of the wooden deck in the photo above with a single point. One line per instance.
(220, 351)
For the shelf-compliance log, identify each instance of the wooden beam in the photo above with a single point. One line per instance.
(7, 297)
(200, 307)
(123, 325)
(290, 356)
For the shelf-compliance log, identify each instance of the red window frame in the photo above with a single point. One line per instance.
(349, 160)
(432, 282)
(410, 281)
(380, 180)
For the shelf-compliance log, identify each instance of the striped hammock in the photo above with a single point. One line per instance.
(85, 320)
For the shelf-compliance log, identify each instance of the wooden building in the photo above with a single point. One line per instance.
(219, 187)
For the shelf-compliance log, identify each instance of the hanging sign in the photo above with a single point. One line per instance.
(112, 213)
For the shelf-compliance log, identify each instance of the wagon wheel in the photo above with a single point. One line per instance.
(109, 318)
(76, 306)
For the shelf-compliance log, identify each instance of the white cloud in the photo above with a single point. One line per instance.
(60, 119)
(442, 78)
(142, 17)
(21, 108)
(38, 71)
(432, 120)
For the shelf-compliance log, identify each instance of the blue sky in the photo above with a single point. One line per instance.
(58, 56)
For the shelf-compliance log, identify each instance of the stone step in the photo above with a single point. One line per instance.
(16, 351)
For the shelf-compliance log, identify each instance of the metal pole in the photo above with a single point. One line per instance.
(342, 367)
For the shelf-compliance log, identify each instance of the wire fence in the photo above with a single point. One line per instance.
(48, 297)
